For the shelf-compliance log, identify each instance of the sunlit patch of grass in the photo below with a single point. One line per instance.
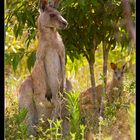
(14, 127)
(132, 121)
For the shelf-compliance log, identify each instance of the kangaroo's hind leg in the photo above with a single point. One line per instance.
(41, 90)
(25, 100)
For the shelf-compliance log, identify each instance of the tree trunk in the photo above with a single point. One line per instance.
(93, 85)
(128, 20)
(94, 95)
(91, 60)
(105, 62)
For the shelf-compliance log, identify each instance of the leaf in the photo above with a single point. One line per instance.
(15, 30)
(21, 50)
(21, 116)
(31, 60)
(7, 58)
(16, 61)
(82, 4)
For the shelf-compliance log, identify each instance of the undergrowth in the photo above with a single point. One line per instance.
(118, 121)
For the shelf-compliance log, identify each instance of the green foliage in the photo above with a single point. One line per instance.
(21, 116)
(131, 87)
(73, 136)
(20, 25)
(16, 53)
(100, 135)
(31, 60)
(52, 132)
(15, 127)
(97, 21)
(132, 121)
(117, 115)
(82, 134)
(82, 128)
(106, 129)
(75, 118)
(16, 60)
(22, 127)
(22, 15)
(110, 111)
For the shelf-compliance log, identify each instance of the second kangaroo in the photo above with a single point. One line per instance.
(86, 101)
(116, 82)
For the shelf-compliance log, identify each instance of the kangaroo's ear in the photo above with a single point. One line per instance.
(113, 66)
(43, 4)
(124, 67)
(55, 3)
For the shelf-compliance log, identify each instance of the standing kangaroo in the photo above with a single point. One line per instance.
(39, 93)
(86, 102)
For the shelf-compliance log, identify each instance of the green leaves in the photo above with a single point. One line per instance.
(16, 60)
(7, 58)
(31, 60)
(20, 20)
(13, 58)
(74, 110)
(52, 132)
(21, 116)
(99, 20)
(22, 126)
(132, 120)
(23, 17)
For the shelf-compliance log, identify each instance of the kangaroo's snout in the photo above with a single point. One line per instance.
(63, 22)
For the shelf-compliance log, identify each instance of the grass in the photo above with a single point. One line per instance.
(118, 123)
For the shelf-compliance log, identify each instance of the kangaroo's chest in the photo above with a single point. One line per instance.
(54, 55)
(55, 61)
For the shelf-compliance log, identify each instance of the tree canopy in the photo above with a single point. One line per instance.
(90, 23)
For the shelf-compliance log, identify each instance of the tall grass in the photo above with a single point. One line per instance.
(119, 116)
(76, 127)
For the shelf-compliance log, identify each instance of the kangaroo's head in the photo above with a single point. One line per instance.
(118, 72)
(49, 16)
